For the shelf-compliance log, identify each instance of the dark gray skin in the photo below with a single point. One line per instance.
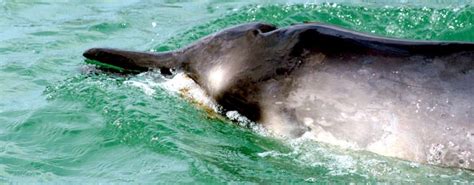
(407, 99)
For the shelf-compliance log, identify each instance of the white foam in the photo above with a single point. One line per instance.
(147, 88)
(186, 87)
(145, 81)
(181, 84)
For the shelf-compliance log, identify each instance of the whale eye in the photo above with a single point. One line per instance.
(166, 71)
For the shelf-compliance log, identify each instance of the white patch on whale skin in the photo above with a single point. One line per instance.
(390, 137)
(308, 121)
(216, 79)
(327, 137)
(220, 75)
(400, 113)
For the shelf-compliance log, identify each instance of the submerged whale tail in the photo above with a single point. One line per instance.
(131, 61)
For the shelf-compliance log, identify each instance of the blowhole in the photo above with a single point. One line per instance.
(266, 28)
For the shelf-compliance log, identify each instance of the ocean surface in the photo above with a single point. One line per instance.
(61, 121)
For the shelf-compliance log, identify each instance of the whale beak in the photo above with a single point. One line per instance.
(130, 61)
(114, 59)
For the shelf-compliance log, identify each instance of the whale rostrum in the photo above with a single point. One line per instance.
(408, 99)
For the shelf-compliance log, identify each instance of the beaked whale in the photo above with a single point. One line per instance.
(412, 100)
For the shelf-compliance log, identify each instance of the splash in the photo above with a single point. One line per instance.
(180, 84)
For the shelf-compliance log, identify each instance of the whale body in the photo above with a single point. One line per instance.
(401, 98)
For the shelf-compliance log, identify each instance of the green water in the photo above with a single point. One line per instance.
(60, 123)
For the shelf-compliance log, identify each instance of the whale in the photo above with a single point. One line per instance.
(407, 99)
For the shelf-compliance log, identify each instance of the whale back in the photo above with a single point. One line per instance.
(335, 40)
